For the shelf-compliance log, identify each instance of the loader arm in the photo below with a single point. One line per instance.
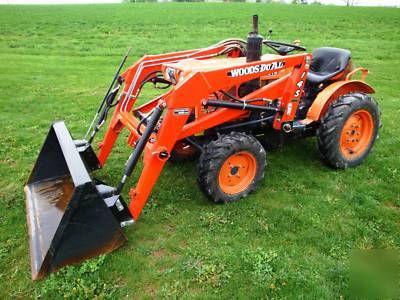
(142, 70)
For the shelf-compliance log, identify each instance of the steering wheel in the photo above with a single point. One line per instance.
(283, 48)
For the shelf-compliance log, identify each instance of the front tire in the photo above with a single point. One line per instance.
(348, 130)
(231, 167)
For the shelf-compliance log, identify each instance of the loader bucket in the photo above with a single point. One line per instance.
(68, 215)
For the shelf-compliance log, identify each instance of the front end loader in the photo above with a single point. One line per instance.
(224, 105)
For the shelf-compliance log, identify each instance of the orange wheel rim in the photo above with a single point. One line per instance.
(357, 134)
(237, 173)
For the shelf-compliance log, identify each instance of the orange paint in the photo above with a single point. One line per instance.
(198, 75)
(334, 91)
(356, 134)
(237, 173)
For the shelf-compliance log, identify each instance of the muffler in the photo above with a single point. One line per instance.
(70, 216)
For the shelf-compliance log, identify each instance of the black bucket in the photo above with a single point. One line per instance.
(70, 216)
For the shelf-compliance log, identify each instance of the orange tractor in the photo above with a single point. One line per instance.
(221, 104)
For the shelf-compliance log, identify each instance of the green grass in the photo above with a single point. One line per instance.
(290, 239)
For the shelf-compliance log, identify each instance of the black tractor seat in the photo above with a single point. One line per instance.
(326, 63)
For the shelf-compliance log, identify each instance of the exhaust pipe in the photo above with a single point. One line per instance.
(254, 43)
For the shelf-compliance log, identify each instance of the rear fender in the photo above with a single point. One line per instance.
(332, 92)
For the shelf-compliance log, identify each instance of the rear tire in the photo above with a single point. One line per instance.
(231, 167)
(348, 130)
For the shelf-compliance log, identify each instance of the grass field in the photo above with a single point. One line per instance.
(293, 238)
